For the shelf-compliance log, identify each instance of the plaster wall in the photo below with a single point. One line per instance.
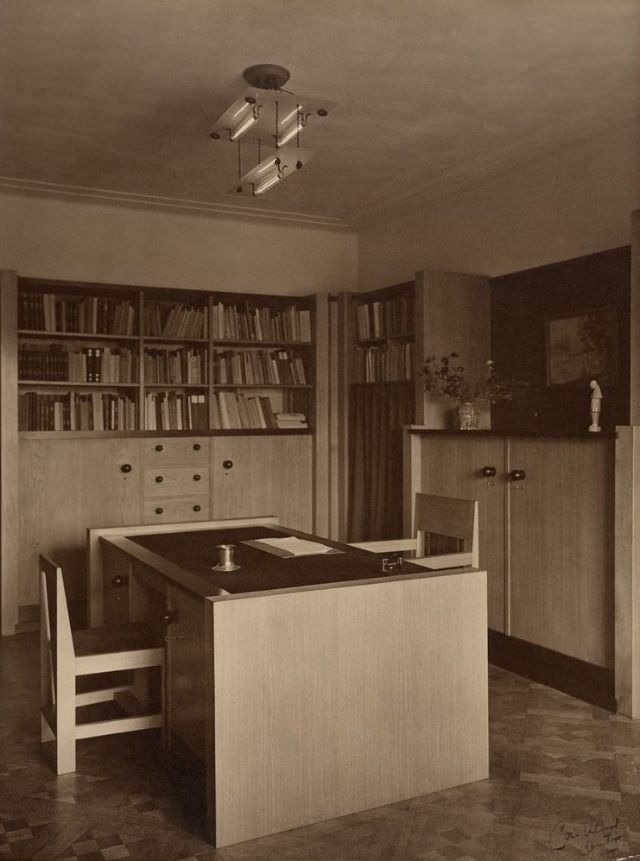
(552, 209)
(89, 241)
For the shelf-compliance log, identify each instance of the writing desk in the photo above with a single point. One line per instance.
(310, 687)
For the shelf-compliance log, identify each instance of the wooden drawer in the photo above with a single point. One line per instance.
(176, 481)
(175, 450)
(176, 510)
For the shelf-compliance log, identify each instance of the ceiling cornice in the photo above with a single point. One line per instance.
(149, 201)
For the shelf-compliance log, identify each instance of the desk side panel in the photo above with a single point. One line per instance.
(332, 701)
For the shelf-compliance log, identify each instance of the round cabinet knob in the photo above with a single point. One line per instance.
(159, 447)
(196, 446)
(159, 478)
(126, 467)
(227, 464)
(197, 477)
(517, 475)
(159, 510)
(488, 471)
(119, 581)
(197, 507)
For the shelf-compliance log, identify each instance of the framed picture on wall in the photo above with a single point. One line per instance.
(582, 346)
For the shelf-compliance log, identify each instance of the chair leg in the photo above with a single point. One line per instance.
(46, 733)
(66, 729)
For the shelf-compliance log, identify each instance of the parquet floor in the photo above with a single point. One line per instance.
(565, 784)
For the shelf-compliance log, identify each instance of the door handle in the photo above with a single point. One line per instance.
(517, 475)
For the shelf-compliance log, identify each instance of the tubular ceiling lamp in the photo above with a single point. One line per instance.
(266, 117)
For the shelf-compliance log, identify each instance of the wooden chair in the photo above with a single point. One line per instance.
(437, 517)
(67, 655)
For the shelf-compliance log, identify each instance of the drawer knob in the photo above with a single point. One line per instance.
(119, 581)
(227, 464)
(126, 467)
(196, 446)
(197, 507)
(159, 447)
(159, 510)
(197, 477)
(159, 478)
(517, 475)
(489, 471)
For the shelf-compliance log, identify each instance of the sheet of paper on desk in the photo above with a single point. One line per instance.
(291, 546)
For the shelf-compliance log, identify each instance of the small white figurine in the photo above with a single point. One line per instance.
(596, 406)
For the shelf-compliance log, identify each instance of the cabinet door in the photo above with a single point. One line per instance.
(454, 466)
(260, 475)
(561, 537)
(67, 486)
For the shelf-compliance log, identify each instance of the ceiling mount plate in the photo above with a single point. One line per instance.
(266, 76)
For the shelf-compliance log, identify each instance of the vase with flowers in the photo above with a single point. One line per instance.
(445, 378)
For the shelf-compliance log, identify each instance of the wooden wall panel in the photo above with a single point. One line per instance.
(270, 475)
(520, 305)
(301, 732)
(452, 316)
(66, 487)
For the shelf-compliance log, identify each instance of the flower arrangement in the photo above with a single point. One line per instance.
(447, 380)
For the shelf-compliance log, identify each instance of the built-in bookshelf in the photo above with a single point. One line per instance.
(105, 359)
(383, 335)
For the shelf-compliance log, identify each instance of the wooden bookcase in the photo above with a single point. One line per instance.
(93, 358)
(144, 372)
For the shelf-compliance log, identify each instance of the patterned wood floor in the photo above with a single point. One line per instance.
(565, 784)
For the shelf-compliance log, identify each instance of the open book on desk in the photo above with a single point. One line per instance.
(290, 547)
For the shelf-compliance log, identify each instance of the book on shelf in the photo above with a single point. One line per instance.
(177, 320)
(174, 366)
(388, 362)
(66, 363)
(291, 420)
(248, 322)
(258, 367)
(384, 318)
(58, 312)
(76, 411)
(175, 411)
(235, 410)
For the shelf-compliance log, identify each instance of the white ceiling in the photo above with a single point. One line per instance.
(120, 95)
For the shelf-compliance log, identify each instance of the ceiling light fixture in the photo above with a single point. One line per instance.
(267, 115)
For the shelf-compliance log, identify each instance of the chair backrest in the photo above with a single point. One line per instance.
(55, 631)
(449, 517)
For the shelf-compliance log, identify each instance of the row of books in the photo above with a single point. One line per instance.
(59, 362)
(258, 367)
(52, 312)
(385, 318)
(76, 411)
(175, 411)
(175, 367)
(234, 410)
(392, 361)
(175, 321)
(248, 323)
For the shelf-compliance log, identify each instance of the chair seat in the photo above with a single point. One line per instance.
(119, 638)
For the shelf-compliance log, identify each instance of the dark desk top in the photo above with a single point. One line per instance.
(259, 571)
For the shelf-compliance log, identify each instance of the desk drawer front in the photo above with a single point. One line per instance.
(175, 450)
(176, 481)
(176, 510)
